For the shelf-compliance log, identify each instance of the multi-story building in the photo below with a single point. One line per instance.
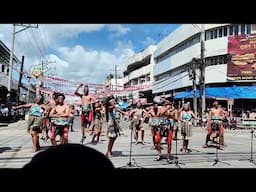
(4, 72)
(115, 85)
(138, 74)
(175, 52)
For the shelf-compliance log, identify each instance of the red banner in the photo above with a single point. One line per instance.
(242, 52)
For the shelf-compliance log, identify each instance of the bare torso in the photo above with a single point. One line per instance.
(153, 112)
(62, 111)
(217, 112)
(138, 113)
(163, 112)
(86, 100)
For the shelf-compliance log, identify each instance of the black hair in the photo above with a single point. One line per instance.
(61, 94)
(55, 95)
(107, 104)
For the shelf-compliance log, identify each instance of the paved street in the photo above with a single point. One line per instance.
(15, 149)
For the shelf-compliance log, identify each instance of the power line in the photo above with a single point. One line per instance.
(29, 37)
(36, 44)
(45, 35)
(44, 46)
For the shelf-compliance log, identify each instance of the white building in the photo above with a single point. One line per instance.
(138, 74)
(175, 51)
(4, 72)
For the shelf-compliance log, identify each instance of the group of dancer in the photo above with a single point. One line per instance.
(52, 116)
(164, 120)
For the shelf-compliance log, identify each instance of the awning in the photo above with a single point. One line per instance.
(234, 92)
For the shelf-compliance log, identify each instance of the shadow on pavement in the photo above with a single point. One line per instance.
(118, 153)
(12, 158)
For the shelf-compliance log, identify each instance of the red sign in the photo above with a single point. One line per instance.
(242, 62)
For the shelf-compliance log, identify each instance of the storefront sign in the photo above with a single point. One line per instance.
(242, 59)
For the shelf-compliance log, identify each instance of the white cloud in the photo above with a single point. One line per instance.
(58, 32)
(92, 65)
(118, 29)
(148, 41)
(76, 62)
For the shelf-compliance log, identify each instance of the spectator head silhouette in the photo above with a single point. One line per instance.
(69, 157)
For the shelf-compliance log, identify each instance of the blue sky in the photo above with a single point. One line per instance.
(84, 52)
(138, 33)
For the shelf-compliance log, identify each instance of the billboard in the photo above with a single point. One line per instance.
(242, 59)
(36, 71)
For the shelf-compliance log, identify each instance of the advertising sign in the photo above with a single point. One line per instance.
(36, 71)
(242, 59)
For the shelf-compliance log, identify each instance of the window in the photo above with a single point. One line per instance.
(248, 29)
(236, 29)
(225, 31)
(220, 32)
(221, 60)
(215, 33)
(211, 35)
(2, 68)
(243, 29)
(212, 61)
(231, 30)
(207, 35)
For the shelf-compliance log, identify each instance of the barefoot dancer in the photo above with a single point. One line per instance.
(137, 122)
(114, 129)
(87, 113)
(186, 116)
(60, 114)
(35, 120)
(97, 124)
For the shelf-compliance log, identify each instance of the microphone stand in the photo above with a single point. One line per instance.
(251, 160)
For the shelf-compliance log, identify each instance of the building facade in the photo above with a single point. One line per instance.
(180, 47)
(138, 74)
(176, 51)
(4, 72)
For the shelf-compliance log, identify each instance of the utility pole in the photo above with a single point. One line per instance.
(202, 71)
(42, 83)
(14, 32)
(44, 70)
(194, 87)
(11, 65)
(192, 76)
(20, 79)
(116, 76)
(28, 93)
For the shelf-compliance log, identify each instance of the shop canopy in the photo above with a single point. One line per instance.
(234, 92)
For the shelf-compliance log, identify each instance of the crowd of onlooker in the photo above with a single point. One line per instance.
(7, 115)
